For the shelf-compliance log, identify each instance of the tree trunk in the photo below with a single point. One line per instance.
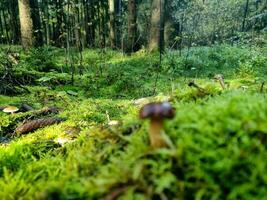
(112, 31)
(1, 31)
(171, 27)
(13, 5)
(35, 15)
(58, 27)
(6, 27)
(101, 24)
(47, 18)
(77, 27)
(90, 22)
(156, 41)
(132, 28)
(26, 23)
(245, 15)
(118, 23)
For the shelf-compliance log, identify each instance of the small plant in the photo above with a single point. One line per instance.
(41, 59)
(194, 85)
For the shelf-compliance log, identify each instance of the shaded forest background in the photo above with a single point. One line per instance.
(131, 25)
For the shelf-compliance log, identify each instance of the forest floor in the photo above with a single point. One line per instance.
(218, 137)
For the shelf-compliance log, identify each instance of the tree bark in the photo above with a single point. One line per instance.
(46, 19)
(112, 31)
(13, 6)
(58, 27)
(77, 26)
(36, 21)
(1, 30)
(245, 15)
(91, 23)
(132, 27)
(6, 27)
(156, 41)
(26, 23)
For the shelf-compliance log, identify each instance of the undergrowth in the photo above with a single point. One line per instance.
(218, 137)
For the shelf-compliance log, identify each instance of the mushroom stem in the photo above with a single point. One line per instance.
(156, 139)
(221, 81)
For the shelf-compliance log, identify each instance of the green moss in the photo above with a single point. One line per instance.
(219, 137)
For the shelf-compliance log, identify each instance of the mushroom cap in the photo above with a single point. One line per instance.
(10, 109)
(113, 123)
(218, 77)
(157, 111)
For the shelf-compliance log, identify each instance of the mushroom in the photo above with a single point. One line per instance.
(244, 87)
(10, 109)
(157, 112)
(113, 123)
(220, 78)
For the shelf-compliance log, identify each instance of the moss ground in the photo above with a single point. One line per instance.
(219, 138)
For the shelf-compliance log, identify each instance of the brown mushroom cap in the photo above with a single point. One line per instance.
(157, 111)
(218, 77)
(10, 109)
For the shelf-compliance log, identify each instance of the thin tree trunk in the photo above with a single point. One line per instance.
(1, 30)
(112, 30)
(118, 22)
(58, 27)
(47, 18)
(91, 23)
(245, 15)
(13, 5)
(132, 27)
(156, 41)
(35, 15)
(86, 22)
(6, 28)
(26, 24)
(77, 27)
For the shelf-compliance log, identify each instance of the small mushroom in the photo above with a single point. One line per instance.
(244, 87)
(10, 109)
(62, 141)
(157, 112)
(112, 123)
(220, 78)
